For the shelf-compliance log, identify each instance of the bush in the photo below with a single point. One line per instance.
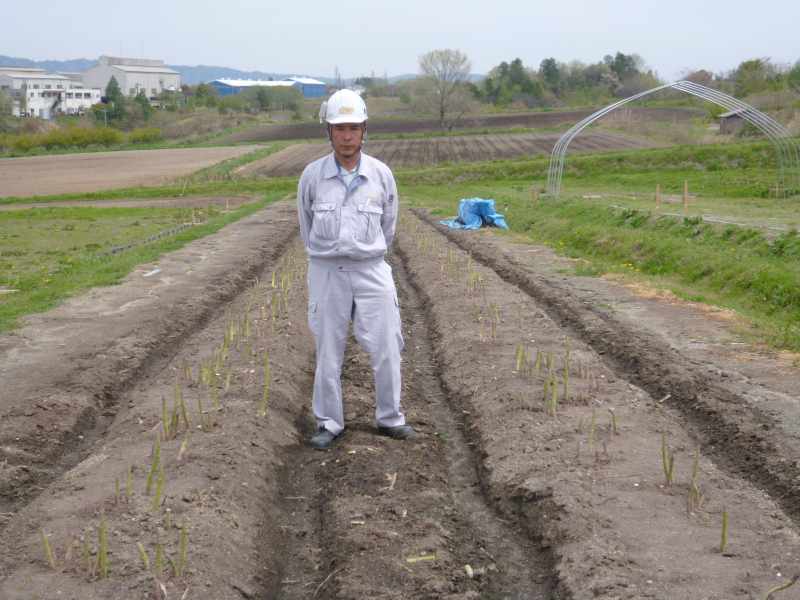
(68, 137)
(145, 135)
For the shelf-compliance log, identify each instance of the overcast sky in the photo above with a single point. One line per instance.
(312, 37)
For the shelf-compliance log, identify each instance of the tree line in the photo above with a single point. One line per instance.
(445, 87)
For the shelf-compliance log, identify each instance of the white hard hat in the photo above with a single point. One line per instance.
(344, 106)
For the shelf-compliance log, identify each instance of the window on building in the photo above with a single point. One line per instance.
(69, 94)
(87, 95)
(36, 86)
(60, 87)
(47, 86)
(33, 94)
(153, 91)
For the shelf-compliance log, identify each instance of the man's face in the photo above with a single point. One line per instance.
(347, 139)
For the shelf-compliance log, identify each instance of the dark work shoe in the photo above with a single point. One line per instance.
(400, 432)
(323, 439)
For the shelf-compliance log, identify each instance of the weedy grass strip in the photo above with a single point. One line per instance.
(614, 429)
(159, 488)
(184, 446)
(86, 555)
(183, 551)
(102, 548)
(695, 498)
(158, 567)
(143, 555)
(667, 461)
(154, 466)
(48, 550)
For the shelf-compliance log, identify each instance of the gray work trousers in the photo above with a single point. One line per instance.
(338, 293)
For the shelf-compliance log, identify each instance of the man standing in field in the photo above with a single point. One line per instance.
(347, 205)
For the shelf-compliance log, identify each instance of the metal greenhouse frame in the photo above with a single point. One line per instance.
(787, 148)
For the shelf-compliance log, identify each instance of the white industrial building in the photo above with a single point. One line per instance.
(133, 75)
(37, 93)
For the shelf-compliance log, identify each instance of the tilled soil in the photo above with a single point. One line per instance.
(506, 492)
(94, 171)
(432, 151)
(298, 131)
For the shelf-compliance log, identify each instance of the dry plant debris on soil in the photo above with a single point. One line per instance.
(560, 454)
(433, 151)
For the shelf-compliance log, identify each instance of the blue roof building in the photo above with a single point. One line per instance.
(310, 88)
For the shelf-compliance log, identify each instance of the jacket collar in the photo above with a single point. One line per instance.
(330, 169)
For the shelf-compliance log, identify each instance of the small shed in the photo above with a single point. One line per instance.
(730, 123)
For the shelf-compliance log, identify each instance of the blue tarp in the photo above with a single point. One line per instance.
(474, 213)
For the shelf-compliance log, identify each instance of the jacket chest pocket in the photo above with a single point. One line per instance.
(369, 221)
(325, 224)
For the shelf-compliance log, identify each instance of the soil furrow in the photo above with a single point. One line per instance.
(732, 429)
(221, 465)
(582, 472)
(525, 570)
(86, 398)
(379, 518)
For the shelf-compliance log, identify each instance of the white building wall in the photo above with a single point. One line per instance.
(99, 76)
(132, 79)
(79, 100)
(39, 95)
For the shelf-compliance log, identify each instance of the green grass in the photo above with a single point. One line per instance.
(223, 171)
(735, 170)
(175, 190)
(50, 254)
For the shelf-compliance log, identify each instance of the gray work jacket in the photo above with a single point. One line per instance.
(355, 223)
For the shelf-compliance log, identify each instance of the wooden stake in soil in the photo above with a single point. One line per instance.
(685, 195)
(658, 196)
(534, 195)
(723, 543)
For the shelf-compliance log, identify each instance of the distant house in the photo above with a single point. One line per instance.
(310, 88)
(730, 123)
(37, 93)
(134, 75)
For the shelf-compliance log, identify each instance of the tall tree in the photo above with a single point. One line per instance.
(624, 65)
(752, 76)
(144, 105)
(446, 72)
(550, 73)
(116, 99)
(6, 104)
(793, 77)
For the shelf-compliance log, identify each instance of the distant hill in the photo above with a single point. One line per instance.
(189, 75)
(69, 66)
(204, 74)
